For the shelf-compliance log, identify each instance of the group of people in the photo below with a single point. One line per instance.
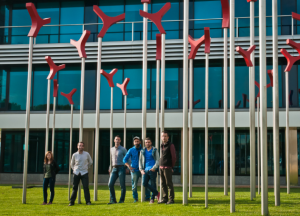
(145, 163)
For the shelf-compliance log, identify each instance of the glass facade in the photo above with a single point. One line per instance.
(71, 17)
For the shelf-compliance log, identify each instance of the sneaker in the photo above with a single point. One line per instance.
(158, 196)
(89, 203)
(111, 202)
(162, 202)
(71, 204)
(135, 201)
(170, 202)
(49, 203)
(121, 201)
(151, 201)
(44, 203)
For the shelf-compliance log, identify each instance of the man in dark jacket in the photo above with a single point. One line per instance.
(166, 164)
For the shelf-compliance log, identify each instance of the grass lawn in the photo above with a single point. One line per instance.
(11, 203)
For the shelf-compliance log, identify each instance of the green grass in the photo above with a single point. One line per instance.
(11, 203)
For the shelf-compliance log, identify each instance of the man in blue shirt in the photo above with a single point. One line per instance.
(149, 163)
(134, 154)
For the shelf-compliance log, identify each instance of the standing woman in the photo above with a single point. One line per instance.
(50, 170)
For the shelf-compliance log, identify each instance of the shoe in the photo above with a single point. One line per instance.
(158, 196)
(151, 201)
(49, 203)
(89, 203)
(111, 202)
(44, 203)
(121, 201)
(135, 201)
(71, 204)
(170, 202)
(162, 202)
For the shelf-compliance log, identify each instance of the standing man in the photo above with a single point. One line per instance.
(148, 163)
(80, 163)
(117, 170)
(166, 164)
(134, 154)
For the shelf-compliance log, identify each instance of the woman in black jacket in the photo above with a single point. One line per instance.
(50, 170)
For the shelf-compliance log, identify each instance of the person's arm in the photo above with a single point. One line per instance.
(173, 154)
(90, 160)
(125, 159)
(72, 162)
(156, 165)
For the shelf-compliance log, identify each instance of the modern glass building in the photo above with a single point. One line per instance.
(122, 49)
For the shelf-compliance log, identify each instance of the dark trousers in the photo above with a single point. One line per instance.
(150, 176)
(85, 182)
(46, 182)
(167, 183)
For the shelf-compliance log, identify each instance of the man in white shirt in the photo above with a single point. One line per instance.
(80, 163)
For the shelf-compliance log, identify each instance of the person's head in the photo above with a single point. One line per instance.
(117, 140)
(136, 141)
(164, 136)
(148, 142)
(80, 146)
(48, 157)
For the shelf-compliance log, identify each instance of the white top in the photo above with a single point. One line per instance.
(81, 162)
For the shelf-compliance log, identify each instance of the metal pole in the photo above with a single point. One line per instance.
(157, 110)
(81, 114)
(252, 107)
(258, 148)
(185, 99)
(97, 120)
(263, 102)
(275, 105)
(206, 128)
(144, 98)
(47, 116)
(232, 107)
(70, 152)
(162, 89)
(125, 111)
(225, 112)
(287, 145)
(53, 124)
(27, 120)
(191, 130)
(111, 120)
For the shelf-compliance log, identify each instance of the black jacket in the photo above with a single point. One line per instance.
(54, 168)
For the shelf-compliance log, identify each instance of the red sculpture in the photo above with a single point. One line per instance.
(109, 76)
(55, 88)
(195, 103)
(146, 1)
(207, 39)
(291, 60)
(36, 21)
(246, 54)
(296, 16)
(107, 20)
(80, 44)
(251, 0)
(53, 67)
(158, 46)
(69, 96)
(123, 86)
(270, 73)
(156, 17)
(225, 12)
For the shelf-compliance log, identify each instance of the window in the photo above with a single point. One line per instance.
(172, 87)
(4, 21)
(3, 79)
(132, 10)
(20, 17)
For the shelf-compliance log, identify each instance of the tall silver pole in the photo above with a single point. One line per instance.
(252, 107)
(144, 98)
(70, 152)
(111, 120)
(185, 99)
(27, 120)
(225, 74)
(258, 148)
(97, 120)
(287, 145)
(81, 114)
(125, 111)
(162, 89)
(232, 106)
(47, 116)
(53, 125)
(263, 103)
(206, 128)
(157, 110)
(275, 104)
(191, 129)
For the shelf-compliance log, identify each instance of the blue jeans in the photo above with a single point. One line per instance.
(149, 175)
(116, 173)
(46, 182)
(134, 181)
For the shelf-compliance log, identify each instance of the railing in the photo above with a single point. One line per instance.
(129, 31)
